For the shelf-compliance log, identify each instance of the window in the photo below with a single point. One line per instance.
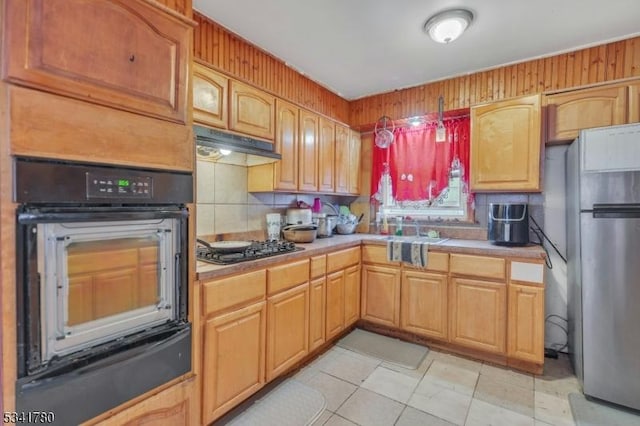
(425, 179)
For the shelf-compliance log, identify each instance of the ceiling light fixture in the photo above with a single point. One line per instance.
(448, 25)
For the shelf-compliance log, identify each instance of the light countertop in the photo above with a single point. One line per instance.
(207, 271)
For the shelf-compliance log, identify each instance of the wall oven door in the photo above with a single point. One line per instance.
(102, 286)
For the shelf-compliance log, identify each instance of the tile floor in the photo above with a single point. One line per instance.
(444, 390)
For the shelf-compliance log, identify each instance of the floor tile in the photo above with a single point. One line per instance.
(391, 384)
(335, 391)
(506, 375)
(452, 376)
(441, 402)
(412, 417)
(367, 408)
(336, 420)
(558, 378)
(461, 362)
(352, 367)
(485, 414)
(553, 409)
(323, 418)
(505, 395)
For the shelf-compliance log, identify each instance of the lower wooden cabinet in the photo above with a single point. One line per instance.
(351, 295)
(424, 303)
(526, 323)
(317, 306)
(233, 359)
(287, 329)
(381, 294)
(478, 314)
(335, 304)
(175, 406)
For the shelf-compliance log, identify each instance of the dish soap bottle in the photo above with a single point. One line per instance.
(399, 225)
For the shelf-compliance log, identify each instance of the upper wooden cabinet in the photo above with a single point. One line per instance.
(506, 145)
(131, 55)
(286, 144)
(634, 103)
(342, 157)
(347, 161)
(309, 140)
(353, 164)
(570, 112)
(326, 152)
(210, 90)
(252, 111)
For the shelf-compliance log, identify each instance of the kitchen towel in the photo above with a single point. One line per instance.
(414, 252)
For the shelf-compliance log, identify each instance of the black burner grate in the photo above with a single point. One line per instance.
(257, 250)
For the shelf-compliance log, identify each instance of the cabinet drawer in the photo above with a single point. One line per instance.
(480, 266)
(436, 262)
(286, 276)
(235, 290)
(343, 258)
(318, 266)
(376, 254)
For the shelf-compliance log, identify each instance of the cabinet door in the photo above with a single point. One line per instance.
(335, 304)
(568, 113)
(342, 157)
(210, 91)
(478, 314)
(505, 145)
(634, 103)
(317, 304)
(423, 305)
(326, 161)
(252, 111)
(177, 405)
(233, 359)
(287, 329)
(354, 162)
(525, 338)
(351, 295)
(121, 60)
(381, 294)
(308, 162)
(286, 144)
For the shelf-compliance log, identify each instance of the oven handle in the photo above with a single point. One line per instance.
(32, 216)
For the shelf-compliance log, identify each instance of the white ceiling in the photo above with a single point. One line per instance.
(357, 48)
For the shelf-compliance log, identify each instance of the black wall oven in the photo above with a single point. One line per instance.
(102, 285)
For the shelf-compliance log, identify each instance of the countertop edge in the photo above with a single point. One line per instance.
(206, 271)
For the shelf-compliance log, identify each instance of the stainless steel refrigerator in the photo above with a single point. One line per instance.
(603, 252)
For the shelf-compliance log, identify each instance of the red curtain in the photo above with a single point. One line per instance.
(417, 163)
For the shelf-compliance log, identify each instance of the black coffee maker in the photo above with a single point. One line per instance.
(508, 224)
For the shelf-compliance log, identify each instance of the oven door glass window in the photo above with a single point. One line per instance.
(104, 280)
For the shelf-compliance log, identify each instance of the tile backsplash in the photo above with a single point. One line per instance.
(225, 206)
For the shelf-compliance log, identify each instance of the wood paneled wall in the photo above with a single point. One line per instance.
(600, 64)
(181, 6)
(233, 55)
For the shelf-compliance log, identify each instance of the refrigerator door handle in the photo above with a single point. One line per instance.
(616, 212)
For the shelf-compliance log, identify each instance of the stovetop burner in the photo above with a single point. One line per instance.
(257, 250)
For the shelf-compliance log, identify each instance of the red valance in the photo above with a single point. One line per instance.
(417, 163)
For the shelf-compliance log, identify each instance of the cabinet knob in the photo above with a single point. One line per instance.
(132, 58)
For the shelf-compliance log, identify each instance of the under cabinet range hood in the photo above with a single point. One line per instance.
(209, 142)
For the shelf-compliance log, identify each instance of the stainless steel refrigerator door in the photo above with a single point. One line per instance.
(610, 308)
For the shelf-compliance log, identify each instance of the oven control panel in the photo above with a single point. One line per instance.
(100, 186)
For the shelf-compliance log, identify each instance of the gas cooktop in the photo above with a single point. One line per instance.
(256, 250)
